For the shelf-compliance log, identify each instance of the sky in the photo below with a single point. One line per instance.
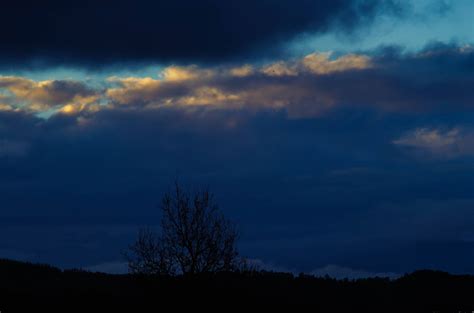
(338, 135)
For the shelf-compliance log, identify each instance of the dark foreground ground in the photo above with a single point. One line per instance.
(38, 288)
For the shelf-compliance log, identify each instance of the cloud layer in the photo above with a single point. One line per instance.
(308, 155)
(94, 33)
(437, 79)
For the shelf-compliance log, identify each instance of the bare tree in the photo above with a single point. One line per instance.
(195, 238)
(148, 256)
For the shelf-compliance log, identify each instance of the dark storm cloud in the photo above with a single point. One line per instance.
(93, 32)
(296, 187)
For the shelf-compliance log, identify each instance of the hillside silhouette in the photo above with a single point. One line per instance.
(43, 288)
(192, 262)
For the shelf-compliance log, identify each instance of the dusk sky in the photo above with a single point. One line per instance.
(338, 135)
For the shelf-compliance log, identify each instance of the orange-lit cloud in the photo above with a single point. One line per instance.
(271, 86)
(242, 71)
(306, 87)
(180, 73)
(318, 63)
(36, 96)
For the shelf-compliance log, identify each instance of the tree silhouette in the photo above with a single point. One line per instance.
(195, 237)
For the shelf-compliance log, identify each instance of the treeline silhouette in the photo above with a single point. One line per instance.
(26, 287)
(192, 262)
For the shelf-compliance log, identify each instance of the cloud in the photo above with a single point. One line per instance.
(318, 63)
(448, 143)
(280, 85)
(444, 217)
(331, 270)
(314, 205)
(30, 95)
(9, 148)
(340, 272)
(4, 106)
(315, 84)
(180, 73)
(94, 34)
